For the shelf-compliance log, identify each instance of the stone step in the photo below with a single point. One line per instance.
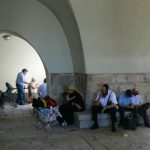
(83, 119)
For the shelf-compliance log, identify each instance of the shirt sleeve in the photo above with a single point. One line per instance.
(140, 99)
(23, 78)
(113, 98)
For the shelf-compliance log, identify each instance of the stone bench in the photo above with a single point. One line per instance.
(83, 119)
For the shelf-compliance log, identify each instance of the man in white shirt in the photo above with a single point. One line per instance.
(42, 90)
(20, 84)
(105, 102)
(140, 106)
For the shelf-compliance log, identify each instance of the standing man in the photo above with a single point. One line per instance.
(105, 102)
(20, 84)
(42, 90)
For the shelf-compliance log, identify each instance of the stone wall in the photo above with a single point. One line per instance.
(59, 82)
(119, 83)
(89, 84)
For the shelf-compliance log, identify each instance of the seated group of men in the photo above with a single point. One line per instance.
(130, 100)
(106, 102)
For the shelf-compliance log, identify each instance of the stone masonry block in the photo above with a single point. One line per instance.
(83, 119)
(136, 78)
(101, 78)
(147, 77)
(119, 78)
(125, 86)
(143, 87)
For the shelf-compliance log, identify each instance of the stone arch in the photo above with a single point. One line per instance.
(56, 39)
(41, 29)
(17, 53)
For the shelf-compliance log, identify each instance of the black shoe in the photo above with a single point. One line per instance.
(21, 103)
(60, 120)
(1, 107)
(113, 129)
(121, 124)
(116, 120)
(147, 125)
(15, 104)
(138, 124)
(69, 123)
(94, 126)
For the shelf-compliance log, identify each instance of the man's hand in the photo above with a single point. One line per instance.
(96, 103)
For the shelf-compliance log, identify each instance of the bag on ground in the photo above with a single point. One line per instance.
(50, 101)
(130, 122)
(39, 103)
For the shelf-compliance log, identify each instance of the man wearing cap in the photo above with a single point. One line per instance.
(126, 104)
(74, 103)
(20, 84)
(140, 106)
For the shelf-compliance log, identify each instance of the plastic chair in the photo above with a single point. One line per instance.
(8, 95)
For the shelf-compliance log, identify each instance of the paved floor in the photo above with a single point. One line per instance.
(18, 132)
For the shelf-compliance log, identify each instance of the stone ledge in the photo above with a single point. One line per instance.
(86, 115)
(83, 119)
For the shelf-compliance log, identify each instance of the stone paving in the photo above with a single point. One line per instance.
(18, 132)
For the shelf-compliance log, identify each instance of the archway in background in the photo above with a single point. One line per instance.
(16, 54)
(52, 30)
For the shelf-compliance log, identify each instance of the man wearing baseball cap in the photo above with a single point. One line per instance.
(140, 106)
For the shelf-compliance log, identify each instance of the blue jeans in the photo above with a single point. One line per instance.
(21, 94)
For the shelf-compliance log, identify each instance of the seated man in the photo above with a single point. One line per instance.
(105, 102)
(140, 107)
(125, 104)
(74, 103)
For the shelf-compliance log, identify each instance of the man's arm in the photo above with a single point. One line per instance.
(96, 100)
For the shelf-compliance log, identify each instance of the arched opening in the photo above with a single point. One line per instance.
(53, 34)
(16, 54)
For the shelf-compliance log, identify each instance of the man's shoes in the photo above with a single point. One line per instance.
(138, 124)
(121, 124)
(94, 126)
(15, 104)
(113, 129)
(21, 103)
(147, 125)
(1, 107)
(116, 120)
